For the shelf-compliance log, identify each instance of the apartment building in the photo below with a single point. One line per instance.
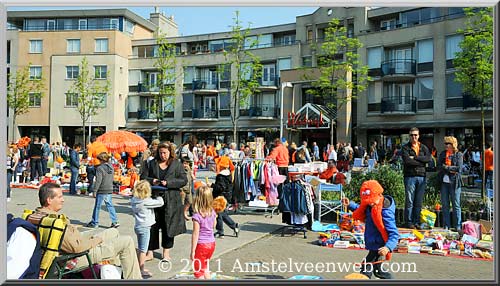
(409, 52)
(53, 44)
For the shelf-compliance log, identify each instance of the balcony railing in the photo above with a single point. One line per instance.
(398, 105)
(263, 110)
(141, 87)
(70, 27)
(144, 114)
(207, 84)
(399, 67)
(270, 83)
(205, 113)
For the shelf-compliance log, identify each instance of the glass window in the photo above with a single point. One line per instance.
(35, 99)
(101, 45)
(113, 23)
(265, 41)
(188, 74)
(51, 25)
(36, 46)
(92, 24)
(129, 26)
(455, 12)
(250, 42)
(224, 100)
(100, 72)
(187, 101)
(371, 93)
(426, 88)
(452, 46)
(82, 24)
(216, 46)
(72, 72)
(307, 61)
(35, 72)
(246, 71)
(374, 57)
(71, 100)
(73, 46)
(284, 64)
(453, 88)
(101, 99)
(35, 24)
(425, 51)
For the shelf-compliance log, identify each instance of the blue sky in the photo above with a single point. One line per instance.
(201, 20)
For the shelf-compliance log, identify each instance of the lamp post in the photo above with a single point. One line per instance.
(283, 85)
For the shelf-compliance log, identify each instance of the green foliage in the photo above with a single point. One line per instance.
(432, 191)
(165, 63)
(18, 92)
(390, 179)
(91, 93)
(247, 67)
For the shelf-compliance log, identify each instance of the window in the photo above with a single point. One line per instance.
(71, 100)
(101, 45)
(307, 61)
(188, 74)
(35, 99)
(113, 23)
(425, 51)
(129, 26)
(36, 46)
(35, 72)
(374, 57)
(100, 100)
(51, 25)
(309, 36)
(455, 12)
(452, 46)
(82, 24)
(284, 64)
(72, 72)
(374, 93)
(388, 24)
(73, 45)
(453, 88)
(187, 104)
(246, 71)
(371, 93)
(268, 75)
(100, 72)
(35, 24)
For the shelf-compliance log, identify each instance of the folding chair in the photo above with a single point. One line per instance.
(333, 205)
(358, 162)
(54, 262)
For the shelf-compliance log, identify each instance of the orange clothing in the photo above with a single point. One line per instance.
(211, 151)
(222, 163)
(416, 147)
(280, 155)
(328, 173)
(488, 159)
(448, 155)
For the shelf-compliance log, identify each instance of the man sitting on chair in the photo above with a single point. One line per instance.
(329, 172)
(107, 245)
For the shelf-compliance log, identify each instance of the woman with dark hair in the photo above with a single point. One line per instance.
(167, 176)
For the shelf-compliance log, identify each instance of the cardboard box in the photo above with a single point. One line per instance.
(486, 226)
(341, 244)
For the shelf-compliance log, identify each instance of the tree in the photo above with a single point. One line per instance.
(337, 74)
(20, 91)
(90, 90)
(165, 63)
(247, 67)
(474, 64)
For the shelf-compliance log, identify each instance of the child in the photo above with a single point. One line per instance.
(142, 207)
(223, 186)
(381, 233)
(202, 241)
(186, 195)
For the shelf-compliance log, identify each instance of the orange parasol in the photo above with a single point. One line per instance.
(122, 141)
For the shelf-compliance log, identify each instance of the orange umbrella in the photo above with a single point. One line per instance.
(122, 141)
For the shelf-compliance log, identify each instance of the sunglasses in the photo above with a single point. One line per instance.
(414, 135)
(448, 144)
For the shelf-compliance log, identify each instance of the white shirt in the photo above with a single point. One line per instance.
(333, 155)
(20, 248)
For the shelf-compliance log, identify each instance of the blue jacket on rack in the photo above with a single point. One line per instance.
(293, 199)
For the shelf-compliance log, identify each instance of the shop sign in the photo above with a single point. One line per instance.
(300, 120)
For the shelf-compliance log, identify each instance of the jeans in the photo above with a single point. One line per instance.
(222, 218)
(381, 270)
(9, 179)
(449, 193)
(44, 166)
(97, 207)
(489, 179)
(414, 197)
(72, 183)
(143, 234)
(90, 177)
(36, 168)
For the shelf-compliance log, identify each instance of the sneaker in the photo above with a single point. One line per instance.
(8, 199)
(91, 194)
(218, 235)
(237, 230)
(92, 225)
(115, 225)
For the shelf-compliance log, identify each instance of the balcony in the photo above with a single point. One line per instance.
(142, 87)
(205, 85)
(399, 70)
(268, 84)
(143, 114)
(205, 113)
(398, 105)
(262, 110)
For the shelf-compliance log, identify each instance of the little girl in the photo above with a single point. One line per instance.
(202, 241)
(142, 206)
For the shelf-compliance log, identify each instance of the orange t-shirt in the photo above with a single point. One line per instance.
(416, 148)
(488, 159)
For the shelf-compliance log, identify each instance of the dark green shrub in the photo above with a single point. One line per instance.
(432, 191)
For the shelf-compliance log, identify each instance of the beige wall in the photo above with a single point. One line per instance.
(142, 33)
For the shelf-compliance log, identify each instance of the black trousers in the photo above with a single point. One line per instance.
(368, 269)
(154, 239)
(222, 218)
(282, 171)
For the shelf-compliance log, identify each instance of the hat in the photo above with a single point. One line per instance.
(223, 162)
(198, 184)
(370, 190)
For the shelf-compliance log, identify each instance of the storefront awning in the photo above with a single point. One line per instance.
(203, 129)
(312, 116)
(423, 124)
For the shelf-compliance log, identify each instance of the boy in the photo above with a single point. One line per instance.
(381, 233)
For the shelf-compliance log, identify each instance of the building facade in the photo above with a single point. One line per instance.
(409, 53)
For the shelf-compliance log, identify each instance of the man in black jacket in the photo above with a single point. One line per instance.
(35, 153)
(415, 158)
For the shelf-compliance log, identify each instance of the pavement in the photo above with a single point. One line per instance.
(254, 225)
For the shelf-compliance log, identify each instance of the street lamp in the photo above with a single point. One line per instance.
(283, 85)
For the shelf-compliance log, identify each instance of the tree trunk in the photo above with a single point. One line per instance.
(84, 137)
(13, 138)
(332, 130)
(483, 179)
(235, 123)
(158, 126)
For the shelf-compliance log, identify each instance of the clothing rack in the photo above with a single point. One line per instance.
(293, 228)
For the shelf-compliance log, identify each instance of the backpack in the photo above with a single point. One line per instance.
(33, 270)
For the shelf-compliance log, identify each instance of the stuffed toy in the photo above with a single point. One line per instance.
(371, 195)
(356, 276)
(219, 204)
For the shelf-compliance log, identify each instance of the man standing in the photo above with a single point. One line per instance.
(316, 151)
(107, 245)
(45, 155)
(488, 165)
(35, 153)
(415, 157)
(74, 164)
(308, 156)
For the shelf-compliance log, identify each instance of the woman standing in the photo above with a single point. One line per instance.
(12, 161)
(450, 175)
(104, 189)
(166, 175)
